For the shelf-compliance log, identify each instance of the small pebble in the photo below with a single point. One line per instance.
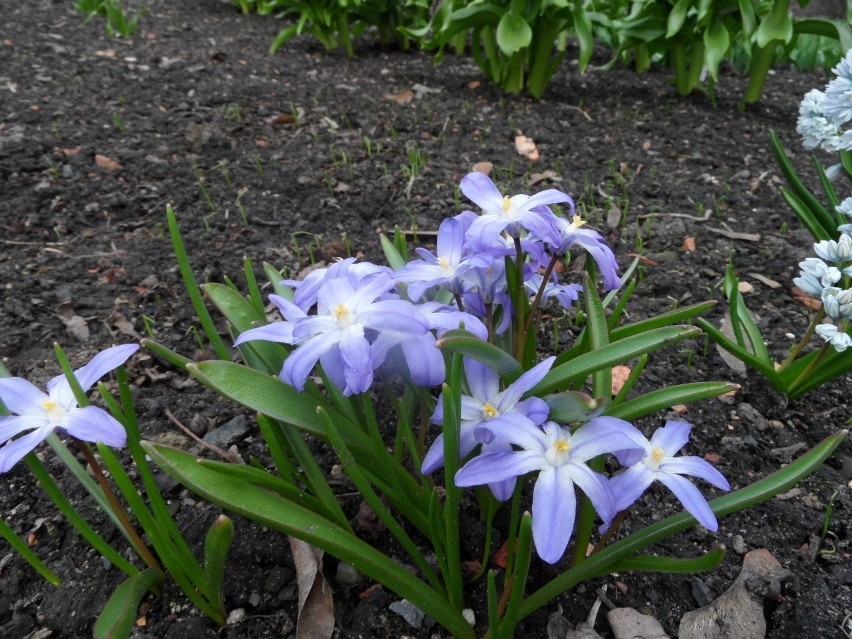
(738, 544)
(237, 615)
(469, 617)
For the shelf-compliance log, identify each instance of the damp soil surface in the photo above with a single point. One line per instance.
(307, 156)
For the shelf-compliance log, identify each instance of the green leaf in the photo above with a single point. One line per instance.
(717, 41)
(676, 18)
(280, 514)
(778, 25)
(707, 561)
(269, 395)
(21, 547)
(119, 615)
(392, 255)
(747, 17)
(765, 367)
(469, 345)
(513, 33)
(577, 369)
(218, 542)
(662, 398)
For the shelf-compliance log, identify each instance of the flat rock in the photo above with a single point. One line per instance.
(738, 612)
(628, 623)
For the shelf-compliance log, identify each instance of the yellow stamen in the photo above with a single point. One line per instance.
(657, 455)
(577, 222)
(54, 411)
(562, 446)
(507, 204)
(488, 411)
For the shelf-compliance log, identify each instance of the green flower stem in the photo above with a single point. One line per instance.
(88, 533)
(452, 433)
(758, 492)
(794, 352)
(761, 61)
(520, 573)
(20, 546)
(540, 293)
(539, 60)
(139, 545)
(805, 374)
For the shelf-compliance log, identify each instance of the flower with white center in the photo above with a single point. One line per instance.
(511, 214)
(488, 406)
(835, 251)
(834, 336)
(57, 410)
(560, 458)
(658, 463)
(336, 336)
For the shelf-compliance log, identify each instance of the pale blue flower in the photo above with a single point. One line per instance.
(659, 463)
(838, 93)
(337, 335)
(486, 407)
(571, 233)
(565, 294)
(834, 336)
(835, 251)
(815, 276)
(814, 126)
(57, 410)
(560, 458)
(845, 207)
(837, 302)
(511, 214)
(445, 269)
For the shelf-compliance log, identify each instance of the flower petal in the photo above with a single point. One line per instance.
(513, 393)
(103, 363)
(595, 486)
(479, 189)
(517, 429)
(13, 424)
(21, 397)
(275, 332)
(604, 435)
(553, 511)
(628, 486)
(671, 437)
(691, 498)
(14, 451)
(434, 458)
(697, 467)
(494, 467)
(483, 382)
(300, 362)
(358, 365)
(93, 424)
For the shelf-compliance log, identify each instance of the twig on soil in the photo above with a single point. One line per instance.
(576, 108)
(735, 235)
(22, 243)
(694, 218)
(603, 598)
(212, 447)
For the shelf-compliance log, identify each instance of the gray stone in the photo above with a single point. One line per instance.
(412, 614)
(228, 433)
(627, 623)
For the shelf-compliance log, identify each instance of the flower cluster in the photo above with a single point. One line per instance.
(819, 278)
(353, 318)
(822, 115)
(518, 438)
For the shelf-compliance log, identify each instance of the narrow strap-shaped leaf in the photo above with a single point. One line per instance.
(765, 368)
(119, 615)
(20, 546)
(283, 515)
(707, 561)
(663, 398)
(192, 288)
(172, 357)
(468, 344)
(275, 278)
(392, 255)
(614, 353)
(218, 542)
(269, 395)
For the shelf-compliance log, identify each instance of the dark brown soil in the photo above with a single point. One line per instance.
(301, 157)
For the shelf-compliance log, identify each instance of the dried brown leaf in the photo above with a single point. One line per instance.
(688, 245)
(619, 377)
(483, 167)
(74, 324)
(316, 606)
(402, 98)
